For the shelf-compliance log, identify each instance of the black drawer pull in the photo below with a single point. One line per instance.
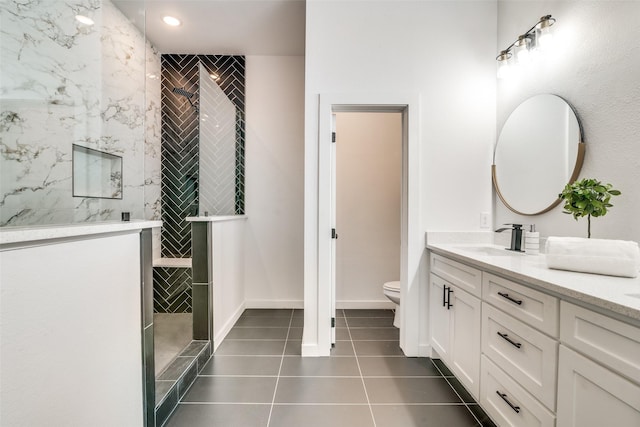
(513, 300)
(504, 397)
(449, 292)
(509, 340)
(444, 296)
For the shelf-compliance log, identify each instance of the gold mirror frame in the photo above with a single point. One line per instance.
(576, 171)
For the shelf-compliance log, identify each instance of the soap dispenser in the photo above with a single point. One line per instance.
(532, 241)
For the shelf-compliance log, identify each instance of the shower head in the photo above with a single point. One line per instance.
(187, 95)
(182, 92)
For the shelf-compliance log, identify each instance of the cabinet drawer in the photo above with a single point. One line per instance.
(528, 356)
(532, 307)
(590, 395)
(609, 341)
(461, 275)
(507, 402)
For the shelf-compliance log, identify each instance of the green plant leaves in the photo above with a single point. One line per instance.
(587, 197)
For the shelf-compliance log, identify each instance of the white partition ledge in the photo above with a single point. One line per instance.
(16, 235)
(215, 218)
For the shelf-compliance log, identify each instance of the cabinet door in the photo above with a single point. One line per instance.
(590, 395)
(465, 339)
(439, 317)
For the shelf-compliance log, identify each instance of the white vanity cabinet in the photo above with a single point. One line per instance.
(598, 370)
(455, 319)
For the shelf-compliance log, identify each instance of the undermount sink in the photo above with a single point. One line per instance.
(491, 251)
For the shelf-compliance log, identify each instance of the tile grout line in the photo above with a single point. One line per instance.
(364, 386)
(456, 392)
(284, 350)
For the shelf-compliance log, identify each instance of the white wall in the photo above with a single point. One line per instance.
(71, 343)
(228, 262)
(368, 190)
(595, 66)
(274, 181)
(444, 52)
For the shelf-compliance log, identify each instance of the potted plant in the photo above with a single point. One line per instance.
(587, 197)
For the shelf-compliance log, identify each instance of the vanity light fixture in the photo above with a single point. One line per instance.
(84, 20)
(536, 38)
(171, 21)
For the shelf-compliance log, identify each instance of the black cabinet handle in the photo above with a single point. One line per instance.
(509, 340)
(504, 397)
(444, 296)
(513, 300)
(449, 292)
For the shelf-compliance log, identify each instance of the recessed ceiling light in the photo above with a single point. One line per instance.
(84, 20)
(214, 76)
(170, 20)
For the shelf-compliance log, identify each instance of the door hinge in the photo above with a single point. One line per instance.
(334, 235)
(333, 137)
(333, 322)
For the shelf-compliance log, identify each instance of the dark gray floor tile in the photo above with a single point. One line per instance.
(342, 334)
(297, 322)
(397, 367)
(293, 348)
(370, 322)
(368, 313)
(377, 348)
(298, 312)
(263, 321)
(176, 368)
(251, 348)
(232, 389)
(295, 333)
(410, 390)
(342, 348)
(196, 415)
(253, 333)
(340, 313)
(380, 334)
(423, 416)
(320, 367)
(481, 416)
(442, 367)
(267, 312)
(341, 322)
(242, 365)
(321, 416)
(459, 388)
(320, 390)
(194, 348)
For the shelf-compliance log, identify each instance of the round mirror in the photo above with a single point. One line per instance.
(539, 151)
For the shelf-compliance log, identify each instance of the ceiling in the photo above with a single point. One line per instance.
(221, 27)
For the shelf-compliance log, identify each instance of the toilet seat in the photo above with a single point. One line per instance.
(391, 286)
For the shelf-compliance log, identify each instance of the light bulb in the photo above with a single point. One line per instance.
(170, 20)
(504, 69)
(521, 48)
(544, 36)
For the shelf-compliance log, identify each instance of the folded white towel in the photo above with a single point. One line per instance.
(599, 256)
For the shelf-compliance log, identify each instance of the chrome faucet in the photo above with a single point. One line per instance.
(516, 236)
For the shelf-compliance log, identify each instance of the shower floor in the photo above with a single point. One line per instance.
(171, 333)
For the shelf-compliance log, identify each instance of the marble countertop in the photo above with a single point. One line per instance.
(615, 294)
(215, 218)
(17, 235)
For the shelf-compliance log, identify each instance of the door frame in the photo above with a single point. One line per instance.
(412, 246)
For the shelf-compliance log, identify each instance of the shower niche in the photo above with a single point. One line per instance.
(96, 173)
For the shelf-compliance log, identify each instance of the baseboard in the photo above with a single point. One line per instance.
(268, 303)
(424, 350)
(364, 305)
(226, 328)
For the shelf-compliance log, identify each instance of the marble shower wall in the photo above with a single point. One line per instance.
(66, 83)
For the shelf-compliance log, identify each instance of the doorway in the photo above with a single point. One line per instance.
(368, 191)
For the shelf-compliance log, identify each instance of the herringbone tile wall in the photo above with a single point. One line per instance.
(180, 149)
(171, 290)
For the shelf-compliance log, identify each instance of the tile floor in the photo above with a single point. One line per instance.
(257, 378)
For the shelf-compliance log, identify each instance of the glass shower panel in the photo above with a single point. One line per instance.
(217, 170)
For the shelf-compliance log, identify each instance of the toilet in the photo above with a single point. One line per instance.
(392, 291)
